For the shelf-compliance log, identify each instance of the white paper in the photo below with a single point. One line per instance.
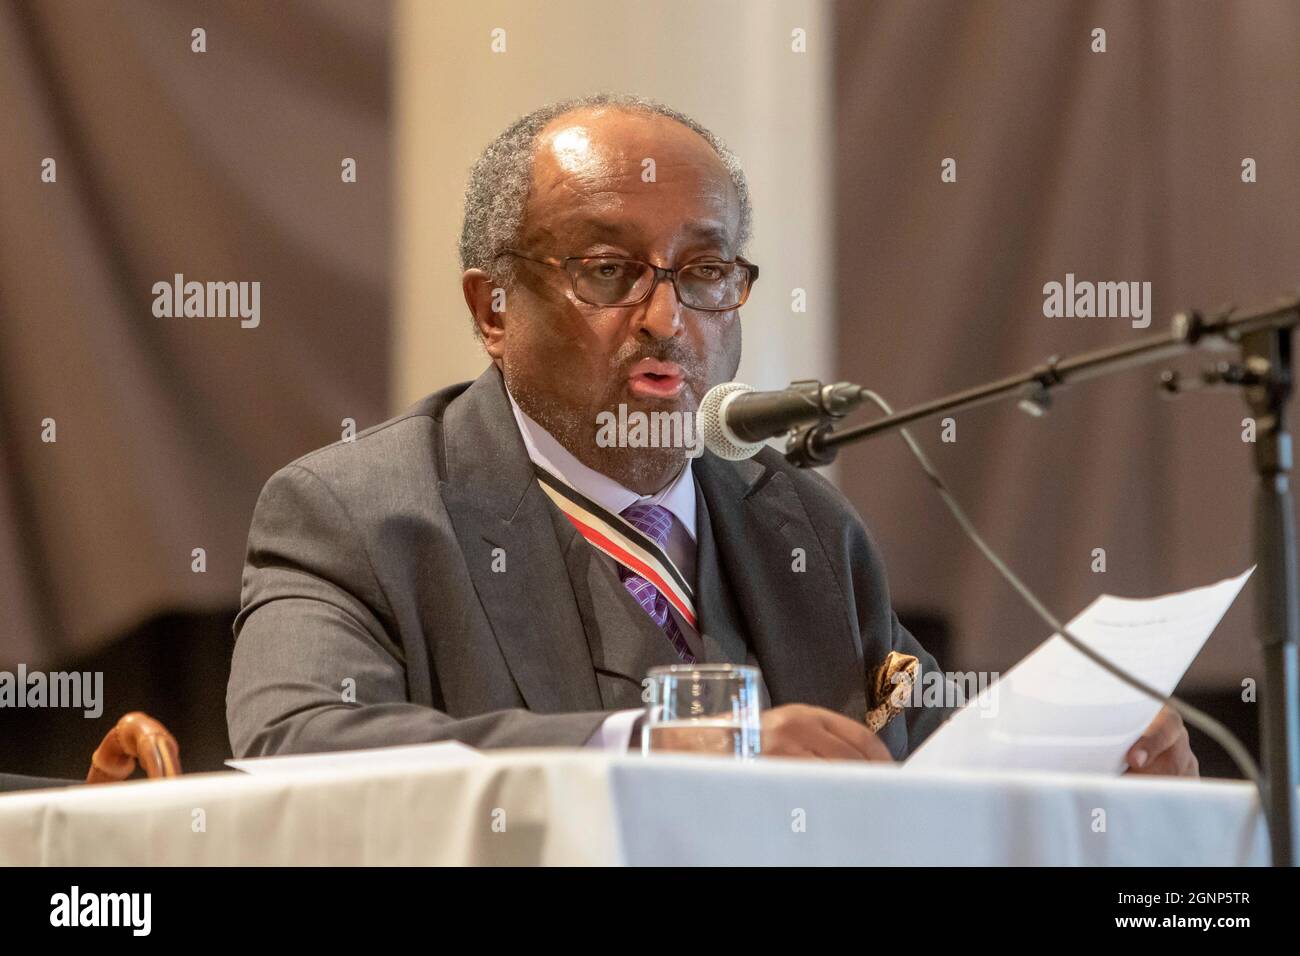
(415, 756)
(1057, 710)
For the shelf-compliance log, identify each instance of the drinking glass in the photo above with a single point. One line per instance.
(703, 708)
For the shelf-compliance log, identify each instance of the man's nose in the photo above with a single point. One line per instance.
(663, 313)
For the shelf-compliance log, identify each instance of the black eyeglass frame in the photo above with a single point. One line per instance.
(659, 273)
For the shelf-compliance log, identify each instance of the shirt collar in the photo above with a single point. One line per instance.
(546, 452)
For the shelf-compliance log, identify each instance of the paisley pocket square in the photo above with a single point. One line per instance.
(890, 686)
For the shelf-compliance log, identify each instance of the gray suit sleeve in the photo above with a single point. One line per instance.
(314, 667)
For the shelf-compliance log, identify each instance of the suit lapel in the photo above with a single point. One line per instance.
(503, 522)
(798, 622)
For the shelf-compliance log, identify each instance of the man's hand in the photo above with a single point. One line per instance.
(1164, 749)
(801, 730)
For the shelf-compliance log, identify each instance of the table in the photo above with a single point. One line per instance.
(573, 807)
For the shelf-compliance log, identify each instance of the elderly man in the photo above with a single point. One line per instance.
(425, 582)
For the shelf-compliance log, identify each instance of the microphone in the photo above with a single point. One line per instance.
(735, 420)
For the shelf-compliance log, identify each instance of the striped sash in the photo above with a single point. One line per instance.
(629, 546)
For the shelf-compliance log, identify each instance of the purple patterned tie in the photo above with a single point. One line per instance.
(655, 522)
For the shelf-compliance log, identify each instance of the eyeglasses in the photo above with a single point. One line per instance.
(711, 285)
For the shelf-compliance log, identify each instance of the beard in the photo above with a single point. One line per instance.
(571, 416)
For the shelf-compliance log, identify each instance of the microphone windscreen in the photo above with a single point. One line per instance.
(718, 438)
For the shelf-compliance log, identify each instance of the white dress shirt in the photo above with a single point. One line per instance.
(678, 497)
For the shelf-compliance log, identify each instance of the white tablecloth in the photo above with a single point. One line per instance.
(575, 807)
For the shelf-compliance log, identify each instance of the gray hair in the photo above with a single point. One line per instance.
(500, 179)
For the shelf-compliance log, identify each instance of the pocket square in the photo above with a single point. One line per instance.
(890, 686)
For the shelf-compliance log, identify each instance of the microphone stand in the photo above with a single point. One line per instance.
(1263, 341)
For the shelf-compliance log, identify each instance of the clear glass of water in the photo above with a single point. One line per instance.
(703, 708)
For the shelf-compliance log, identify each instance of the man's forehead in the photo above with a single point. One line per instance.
(588, 176)
(606, 133)
(612, 226)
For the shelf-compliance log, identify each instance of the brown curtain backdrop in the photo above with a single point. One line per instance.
(1123, 165)
(221, 166)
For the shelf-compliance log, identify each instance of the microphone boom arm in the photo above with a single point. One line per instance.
(813, 444)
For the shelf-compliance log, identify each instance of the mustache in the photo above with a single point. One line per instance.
(663, 351)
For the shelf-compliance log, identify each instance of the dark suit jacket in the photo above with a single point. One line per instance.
(373, 613)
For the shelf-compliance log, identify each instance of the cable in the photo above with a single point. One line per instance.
(1193, 716)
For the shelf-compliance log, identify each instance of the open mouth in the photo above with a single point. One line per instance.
(651, 378)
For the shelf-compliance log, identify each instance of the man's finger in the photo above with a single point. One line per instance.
(799, 753)
(1162, 765)
(867, 744)
(786, 748)
(1156, 739)
(828, 745)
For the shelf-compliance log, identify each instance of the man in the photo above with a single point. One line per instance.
(449, 574)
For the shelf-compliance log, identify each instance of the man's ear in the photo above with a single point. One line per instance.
(487, 305)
